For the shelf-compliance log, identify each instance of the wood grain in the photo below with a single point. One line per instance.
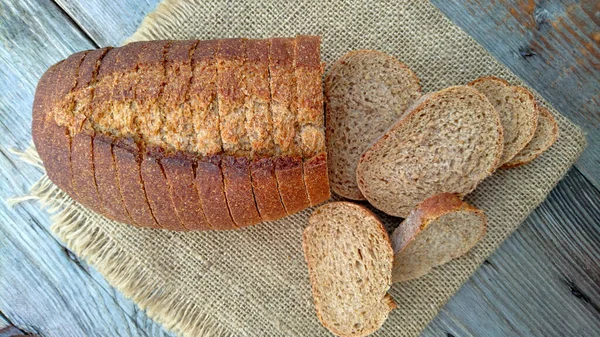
(542, 281)
(554, 46)
(106, 22)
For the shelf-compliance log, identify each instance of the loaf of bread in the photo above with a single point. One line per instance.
(187, 135)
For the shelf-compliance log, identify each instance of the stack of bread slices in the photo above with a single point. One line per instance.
(414, 156)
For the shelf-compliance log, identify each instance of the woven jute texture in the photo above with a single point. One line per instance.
(254, 281)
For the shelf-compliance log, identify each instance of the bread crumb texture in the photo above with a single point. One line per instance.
(349, 259)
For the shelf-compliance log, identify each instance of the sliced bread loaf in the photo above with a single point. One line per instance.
(517, 110)
(365, 92)
(545, 135)
(349, 259)
(448, 141)
(440, 229)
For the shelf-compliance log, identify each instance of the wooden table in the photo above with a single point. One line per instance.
(543, 281)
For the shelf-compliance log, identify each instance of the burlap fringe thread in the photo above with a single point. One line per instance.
(163, 304)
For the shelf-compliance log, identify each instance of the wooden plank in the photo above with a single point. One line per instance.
(554, 46)
(45, 289)
(543, 281)
(107, 22)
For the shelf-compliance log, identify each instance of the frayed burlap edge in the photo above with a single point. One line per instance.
(163, 12)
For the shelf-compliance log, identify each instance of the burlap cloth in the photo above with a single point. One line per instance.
(254, 281)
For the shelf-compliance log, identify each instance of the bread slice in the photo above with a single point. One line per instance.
(127, 158)
(179, 171)
(517, 110)
(157, 190)
(284, 109)
(259, 123)
(107, 179)
(448, 141)
(210, 186)
(55, 135)
(545, 135)
(365, 92)
(349, 260)
(438, 230)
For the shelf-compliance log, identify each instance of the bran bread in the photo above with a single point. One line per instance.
(439, 229)
(448, 141)
(517, 110)
(229, 107)
(546, 133)
(349, 260)
(366, 91)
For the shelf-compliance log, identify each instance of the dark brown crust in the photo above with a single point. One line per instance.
(43, 102)
(58, 156)
(157, 191)
(264, 184)
(84, 182)
(106, 179)
(262, 169)
(238, 190)
(290, 180)
(82, 154)
(209, 184)
(56, 138)
(180, 175)
(316, 179)
(127, 160)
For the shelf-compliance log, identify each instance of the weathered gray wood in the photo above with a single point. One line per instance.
(554, 46)
(44, 288)
(107, 22)
(543, 281)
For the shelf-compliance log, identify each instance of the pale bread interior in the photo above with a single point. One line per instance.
(517, 112)
(366, 92)
(545, 135)
(449, 144)
(350, 259)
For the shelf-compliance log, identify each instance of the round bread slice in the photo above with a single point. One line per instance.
(545, 135)
(517, 110)
(448, 141)
(365, 92)
(440, 229)
(349, 258)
